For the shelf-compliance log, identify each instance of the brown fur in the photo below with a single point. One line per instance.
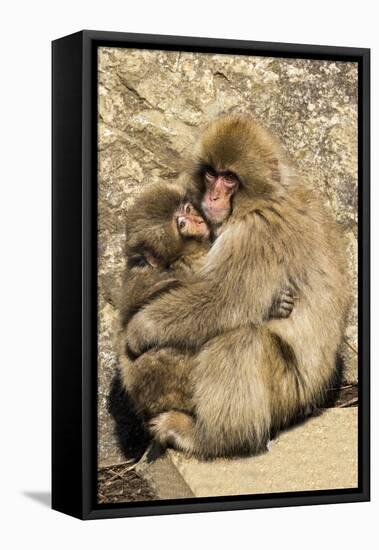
(158, 380)
(252, 377)
(151, 230)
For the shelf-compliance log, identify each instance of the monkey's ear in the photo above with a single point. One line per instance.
(274, 169)
(152, 260)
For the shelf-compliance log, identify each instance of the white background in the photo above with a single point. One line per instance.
(26, 31)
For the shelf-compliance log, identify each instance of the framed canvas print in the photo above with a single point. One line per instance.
(210, 274)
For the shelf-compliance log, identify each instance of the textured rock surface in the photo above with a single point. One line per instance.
(151, 105)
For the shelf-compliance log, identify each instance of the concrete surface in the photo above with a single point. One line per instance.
(165, 478)
(319, 454)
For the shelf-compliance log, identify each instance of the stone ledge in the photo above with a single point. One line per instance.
(321, 453)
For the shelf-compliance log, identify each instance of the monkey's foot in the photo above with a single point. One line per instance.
(283, 305)
(174, 429)
(137, 332)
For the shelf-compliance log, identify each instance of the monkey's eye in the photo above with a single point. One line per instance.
(210, 177)
(136, 261)
(229, 175)
(230, 178)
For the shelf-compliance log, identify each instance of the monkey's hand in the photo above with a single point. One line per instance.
(283, 304)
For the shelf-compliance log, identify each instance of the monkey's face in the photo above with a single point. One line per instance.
(161, 228)
(220, 186)
(190, 223)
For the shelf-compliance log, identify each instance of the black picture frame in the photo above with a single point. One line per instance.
(74, 333)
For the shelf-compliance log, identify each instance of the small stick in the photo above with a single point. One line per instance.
(122, 473)
(348, 386)
(349, 403)
(351, 346)
(102, 468)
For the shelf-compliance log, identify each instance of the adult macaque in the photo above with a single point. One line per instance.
(167, 242)
(252, 375)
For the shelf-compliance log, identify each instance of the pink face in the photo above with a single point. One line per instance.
(190, 223)
(217, 200)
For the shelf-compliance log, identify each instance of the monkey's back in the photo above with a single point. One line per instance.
(316, 266)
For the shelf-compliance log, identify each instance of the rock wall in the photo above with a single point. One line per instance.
(151, 106)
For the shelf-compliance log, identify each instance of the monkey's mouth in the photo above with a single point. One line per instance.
(193, 225)
(215, 214)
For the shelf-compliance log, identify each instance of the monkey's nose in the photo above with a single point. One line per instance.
(181, 222)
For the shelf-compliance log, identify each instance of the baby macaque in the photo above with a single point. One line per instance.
(167, 240)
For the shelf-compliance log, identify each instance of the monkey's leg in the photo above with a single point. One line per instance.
(232, 397)
(159, 381)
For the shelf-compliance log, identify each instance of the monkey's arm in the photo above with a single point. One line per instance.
(237, 287)
(141, 286)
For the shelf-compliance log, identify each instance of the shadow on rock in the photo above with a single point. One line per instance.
(132, 437)
(335, 384)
